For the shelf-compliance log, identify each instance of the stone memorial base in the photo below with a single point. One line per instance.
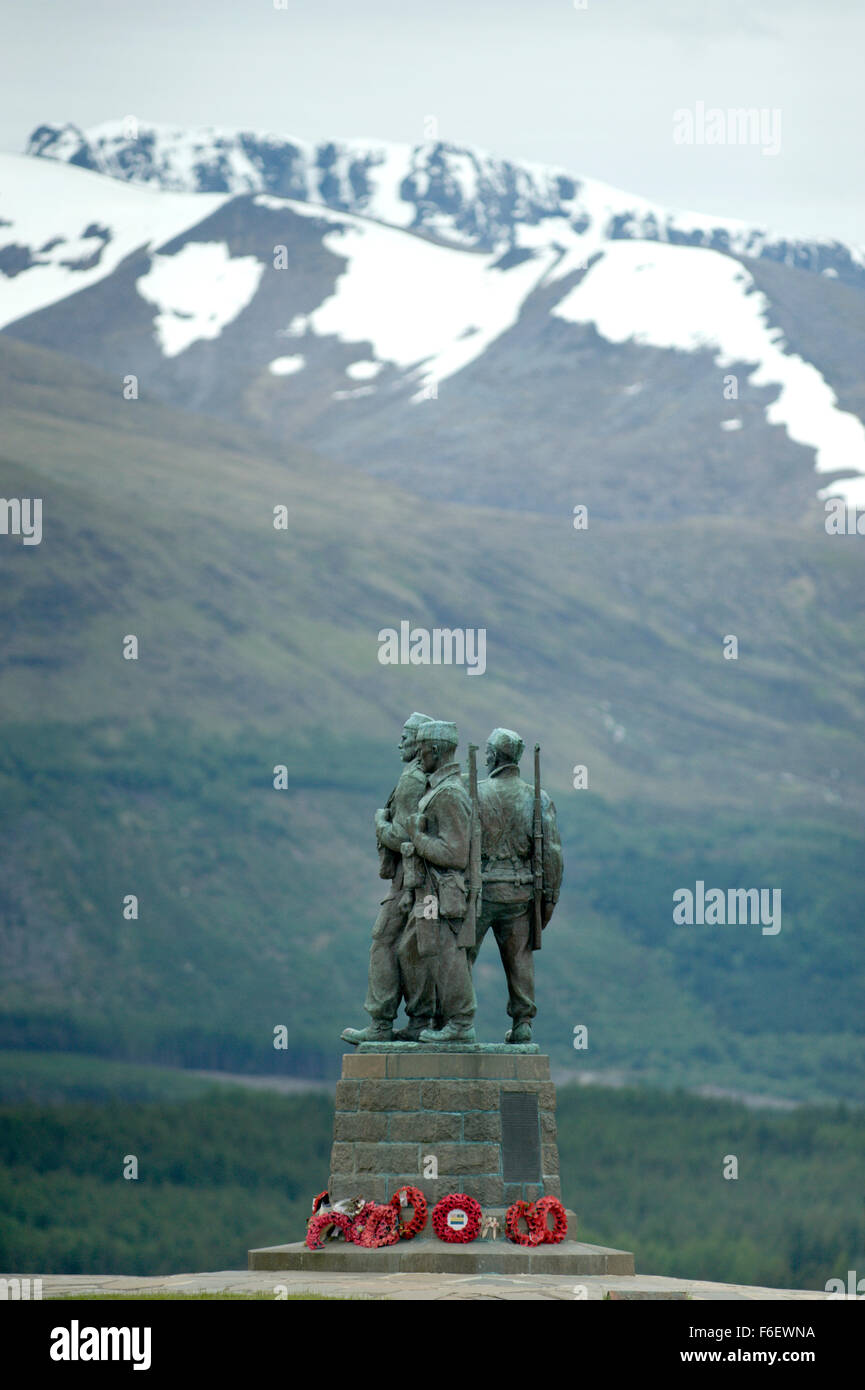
(447, 1117)
(428, 1255)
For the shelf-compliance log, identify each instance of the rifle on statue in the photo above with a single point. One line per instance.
(538, 857)
(468, 932)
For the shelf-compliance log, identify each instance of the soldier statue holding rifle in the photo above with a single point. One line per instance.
(521, 870)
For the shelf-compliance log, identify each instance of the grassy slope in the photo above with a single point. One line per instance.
(259, 647)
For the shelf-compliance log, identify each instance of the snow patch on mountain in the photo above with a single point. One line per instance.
(363, 370)
(197, 291)
(423, 307)
(287, 366)
(72, 228)
(690, 299)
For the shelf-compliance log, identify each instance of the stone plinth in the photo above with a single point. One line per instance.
(445, 1118)
(483, 1120)
(427, 1255)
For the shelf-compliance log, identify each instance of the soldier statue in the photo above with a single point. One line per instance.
(433, 948)
(385, 985)
(510, 832)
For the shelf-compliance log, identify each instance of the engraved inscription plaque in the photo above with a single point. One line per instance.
(521, 1137)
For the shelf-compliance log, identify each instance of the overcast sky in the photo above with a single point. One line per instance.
(592, 89)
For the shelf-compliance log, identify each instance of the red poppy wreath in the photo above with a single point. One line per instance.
(457, 1218)
(375, 1226)
(414, 1198)
(548, 1207)
(524, 1211)
(319, 1224)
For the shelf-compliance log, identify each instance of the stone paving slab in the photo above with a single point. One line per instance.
(413, 1287)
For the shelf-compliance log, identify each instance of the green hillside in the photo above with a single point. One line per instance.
(258, 647)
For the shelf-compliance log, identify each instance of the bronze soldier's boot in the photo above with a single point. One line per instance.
(412, 1030)
(452, 1032)
(380, 1030)
(520, 1033)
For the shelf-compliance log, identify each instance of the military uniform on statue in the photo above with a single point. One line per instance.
(433, 949)
(385, 985)
(508, 873)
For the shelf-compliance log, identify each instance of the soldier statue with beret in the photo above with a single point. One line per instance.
(385, 983)
(509, 838)
(433, 949)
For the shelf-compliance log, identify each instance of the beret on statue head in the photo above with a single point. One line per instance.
(506, 742)
(438, 731)
(414, 720)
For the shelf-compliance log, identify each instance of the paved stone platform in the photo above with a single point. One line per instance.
(414, 1287)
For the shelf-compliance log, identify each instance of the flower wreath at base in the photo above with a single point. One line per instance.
(371, 1226)
(456, 1219)
(536, 1216)
(548, 1207)
(414, 1198)
(523, 1211)
(374, 1226)
(321, 1222)
(458, 1232)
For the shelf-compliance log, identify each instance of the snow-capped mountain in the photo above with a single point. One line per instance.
(477, 329)
(463, 196)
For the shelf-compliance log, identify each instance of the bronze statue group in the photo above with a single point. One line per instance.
(463, 857)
